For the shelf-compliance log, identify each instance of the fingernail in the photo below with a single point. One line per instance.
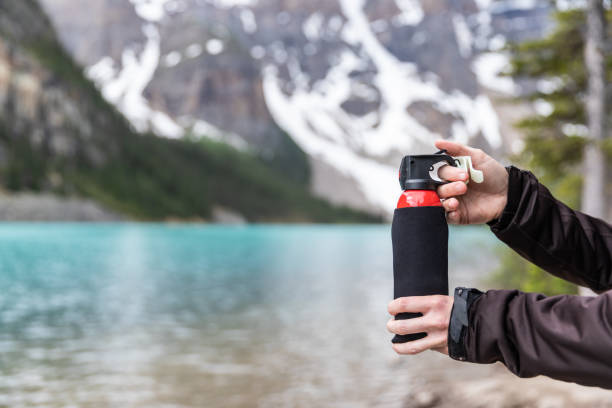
(463, 175)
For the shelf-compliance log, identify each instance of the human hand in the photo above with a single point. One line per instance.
(436, 311)
(472, 203)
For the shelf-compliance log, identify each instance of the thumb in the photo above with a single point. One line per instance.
(451, 173)
(453, 148)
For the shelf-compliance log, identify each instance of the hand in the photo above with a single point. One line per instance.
(472, 203)
(436, 311)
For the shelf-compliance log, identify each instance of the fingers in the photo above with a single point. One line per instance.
(412, 304)
(435, 341)
(408, 326)
(434, 322)
(452, 189)
(453, 217)
(451, 173)
(453, 148)
(450, 205)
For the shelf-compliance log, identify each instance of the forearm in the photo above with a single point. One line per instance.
(568, 338)
(564, 242)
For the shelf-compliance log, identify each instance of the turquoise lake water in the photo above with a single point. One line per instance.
(147, 315)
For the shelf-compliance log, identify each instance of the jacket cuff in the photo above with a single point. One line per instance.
(459, 322)
(515, 188)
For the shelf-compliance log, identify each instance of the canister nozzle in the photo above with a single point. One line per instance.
(420, 172)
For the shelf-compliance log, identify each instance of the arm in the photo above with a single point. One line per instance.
(564, 337)
(524, 215)
(568, 338)
(564, 242)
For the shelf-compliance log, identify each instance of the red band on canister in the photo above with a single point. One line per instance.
(419, 198)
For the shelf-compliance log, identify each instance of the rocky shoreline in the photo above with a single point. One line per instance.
(452, 384)
(49, 207)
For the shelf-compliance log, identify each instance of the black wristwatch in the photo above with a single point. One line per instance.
(459, 322)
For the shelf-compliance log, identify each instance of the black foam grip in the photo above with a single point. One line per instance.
(420, 257)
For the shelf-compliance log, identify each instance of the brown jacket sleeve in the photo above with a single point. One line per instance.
(563, 242)
(564, 337)
(568, 338)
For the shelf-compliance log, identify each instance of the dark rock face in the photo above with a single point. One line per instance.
(327, 72)
(35, 102)
(39, 113)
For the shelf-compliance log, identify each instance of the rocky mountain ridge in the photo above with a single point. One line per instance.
(59, 136)
(354, 83)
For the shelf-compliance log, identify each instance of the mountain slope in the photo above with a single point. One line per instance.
(57, 134)
(355, 83)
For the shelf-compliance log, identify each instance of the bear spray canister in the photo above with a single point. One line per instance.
(419, 231)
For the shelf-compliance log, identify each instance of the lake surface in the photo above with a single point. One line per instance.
(146, 315)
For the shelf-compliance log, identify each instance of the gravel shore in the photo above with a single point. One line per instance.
(48, 207)
(450, 384)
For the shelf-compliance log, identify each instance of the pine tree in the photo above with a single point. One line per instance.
(557, 136)
(594, 162)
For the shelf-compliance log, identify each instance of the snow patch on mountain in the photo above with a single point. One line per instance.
(400, 86)
(397, 82)
(103, 71)
(483, 4)
(497, 42)
(502, 6)
(564, 5)
(463, 35)
(214, 46)
(247, 18)
(124, 88)
(172, 58)
(488, 67)
(200, 128)
(224, 4)
(411, 12)
(377, 181)
(257, 52)
(193, 50)
(312, 26)
(150, 10)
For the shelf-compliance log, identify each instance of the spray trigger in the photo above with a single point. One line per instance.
(465, 162)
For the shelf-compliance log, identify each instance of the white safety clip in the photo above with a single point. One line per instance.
(465, 162)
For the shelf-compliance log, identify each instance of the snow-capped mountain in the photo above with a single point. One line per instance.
(355, 83)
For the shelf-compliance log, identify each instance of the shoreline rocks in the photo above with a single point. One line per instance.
(49, 207)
